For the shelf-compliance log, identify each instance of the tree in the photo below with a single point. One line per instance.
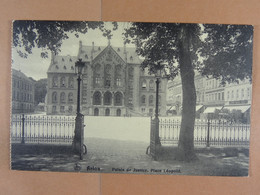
(49, 35)
(222, 51)
(40, 91)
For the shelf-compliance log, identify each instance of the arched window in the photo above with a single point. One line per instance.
(143, 99)
(62, 97)
(54, 97)
(71, 82)
(150, 100)
(107, 98)
(62, 82)
(70, 98)
(118, 99)
(151, 85)
(107, 75)
(55, 81)
(97, 76)
(107, 112)
(144, 84)
(96, 112)
(118, 112)
(118, 75)
(97, 98)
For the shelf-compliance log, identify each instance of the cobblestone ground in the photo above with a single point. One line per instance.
(114, 156)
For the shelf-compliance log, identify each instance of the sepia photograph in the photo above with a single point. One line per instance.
(131, 97)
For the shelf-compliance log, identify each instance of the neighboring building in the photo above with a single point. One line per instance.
(238, 97)
(112, 84)
(212, 96)
(22, 93)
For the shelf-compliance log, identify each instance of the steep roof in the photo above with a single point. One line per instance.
(85, 53)
(62, 64)
(66, 64)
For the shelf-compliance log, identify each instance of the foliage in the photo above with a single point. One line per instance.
(40, 91)
(223, 51)
(49, 35)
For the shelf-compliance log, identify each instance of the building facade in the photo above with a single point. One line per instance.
(113, 84)
(212, 95)
(22, 93)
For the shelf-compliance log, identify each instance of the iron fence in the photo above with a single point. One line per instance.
(206, 133)
(42, 129)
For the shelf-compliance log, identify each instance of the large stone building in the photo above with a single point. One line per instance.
(113, 84)
(22, 92)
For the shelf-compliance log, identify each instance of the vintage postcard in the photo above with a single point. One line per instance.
(135, 98)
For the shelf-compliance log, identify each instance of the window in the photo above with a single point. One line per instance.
(71, 82)
(248, 92)
(118, 99)
(62, 109)
(62, 82)
(97, 79)
(228, 95)
(143, 110)
(118, 112)
(62, 97)
(107, 98)
(96, 112)
(54, 97)
(70, 98)
(70, 109)
(118, 82)
(150, 100)
(232, 94)
(55, 81)
(143, 99)
(242, 93)
(151, 85)
(237, 94)
(107, 112)
(144, 84)
(223, 96)
(97, 98)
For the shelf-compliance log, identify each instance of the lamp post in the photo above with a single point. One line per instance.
(157, 76)
(78, 140)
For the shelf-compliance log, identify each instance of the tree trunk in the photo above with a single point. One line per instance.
(186, 137)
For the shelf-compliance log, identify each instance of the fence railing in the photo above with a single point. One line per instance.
(42, 129)
(212, 132)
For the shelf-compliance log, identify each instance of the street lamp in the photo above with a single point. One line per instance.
(158, 75)
(78, 141)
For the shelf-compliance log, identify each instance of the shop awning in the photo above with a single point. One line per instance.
(171, 108)
(242, 108)
(212, 109)
(198, 107)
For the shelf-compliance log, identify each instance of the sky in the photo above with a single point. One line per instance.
(36, 67)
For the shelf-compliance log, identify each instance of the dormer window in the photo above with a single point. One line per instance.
(57, 67)
(63, 59)
(99, 48)
(64, 67)
(70, 60)
(131, 58)
(72, 67)
(118, 49)
(86, 56)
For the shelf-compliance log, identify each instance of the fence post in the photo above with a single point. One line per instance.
(22, 142)
(208, 133)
